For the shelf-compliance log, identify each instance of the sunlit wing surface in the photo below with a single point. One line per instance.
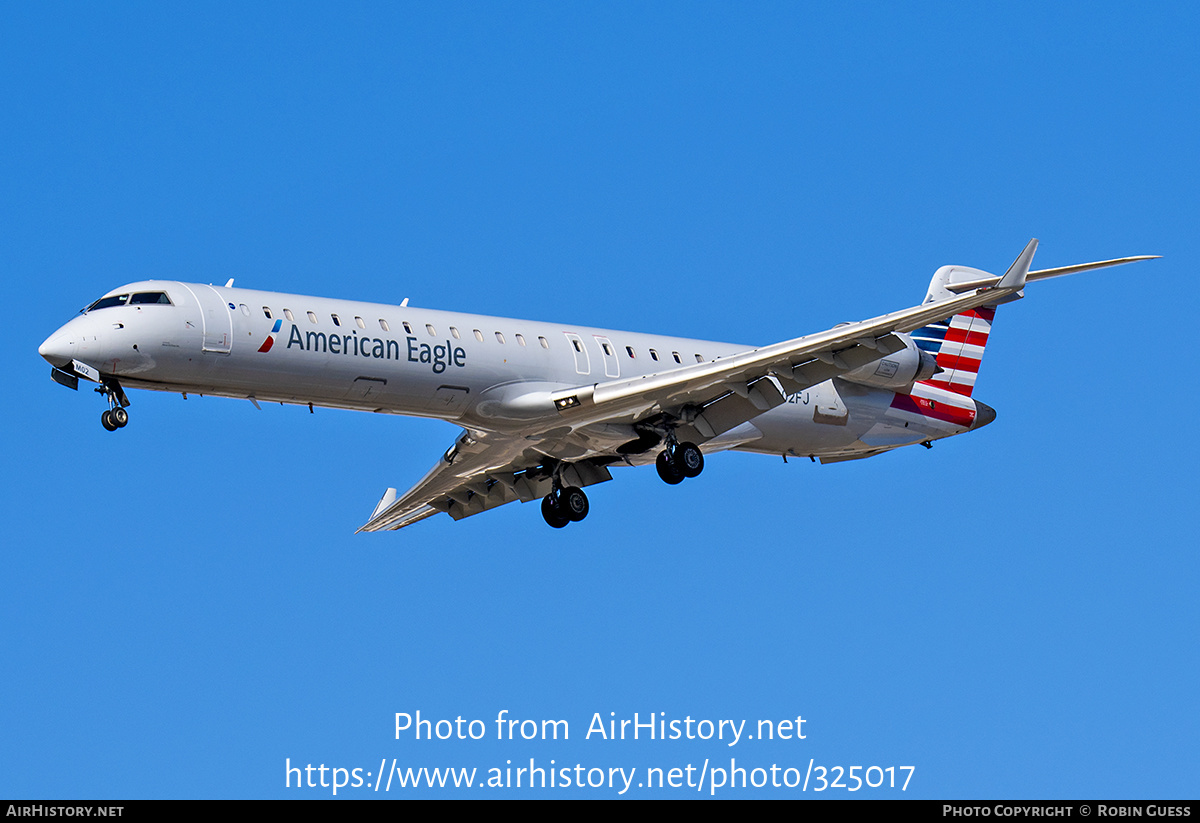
(794, 364)
(481, 472)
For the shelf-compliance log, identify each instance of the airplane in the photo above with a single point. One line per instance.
(548, 409)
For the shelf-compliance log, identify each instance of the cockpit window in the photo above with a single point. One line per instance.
(149, 297)
(108, 302)
(144, 298)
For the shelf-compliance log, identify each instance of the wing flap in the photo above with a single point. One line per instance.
(743, 402)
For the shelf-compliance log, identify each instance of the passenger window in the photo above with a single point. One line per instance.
(288, 314)
(520, 340)
(407, 328)
(312, 317)
(245, 309)
(336, 322)
(607, 348)
(383, 324)
(675, 354)
(454, 333)
(699, 359)
(360, 323)
(545, 343)
(577, 346)
(479, 335)
(653, 354)
(267, 312)
(429, 328)
(499, 337)
(629, 351)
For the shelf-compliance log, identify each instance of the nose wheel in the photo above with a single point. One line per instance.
(115, 417)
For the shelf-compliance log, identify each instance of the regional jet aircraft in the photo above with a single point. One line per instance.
(549, 409)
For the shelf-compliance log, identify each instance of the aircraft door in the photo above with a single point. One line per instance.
(583, 363)
(612, 367)
(216, 320)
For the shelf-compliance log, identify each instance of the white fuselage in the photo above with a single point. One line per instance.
(488, 373)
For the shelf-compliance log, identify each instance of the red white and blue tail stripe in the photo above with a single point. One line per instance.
(958, 345)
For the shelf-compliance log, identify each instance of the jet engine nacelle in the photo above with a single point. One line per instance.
(897, 370)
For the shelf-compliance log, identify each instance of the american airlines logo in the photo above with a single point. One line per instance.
(270, 341)
(438, 357)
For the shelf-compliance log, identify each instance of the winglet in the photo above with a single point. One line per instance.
(1014, 278)
(389, 497)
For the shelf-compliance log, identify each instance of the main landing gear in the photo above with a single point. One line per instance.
(678, 462)
(115, 417)
(567, 504)
(563, 506)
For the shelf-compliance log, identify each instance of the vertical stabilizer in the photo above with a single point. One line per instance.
(958, 342)
(958, 345)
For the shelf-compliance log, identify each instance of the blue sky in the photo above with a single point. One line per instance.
(1013, 612)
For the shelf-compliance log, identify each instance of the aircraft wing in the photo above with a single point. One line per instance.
(481, 471)
(713, 397)
(484, 470)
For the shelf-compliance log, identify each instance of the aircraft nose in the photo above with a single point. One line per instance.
(58, 349)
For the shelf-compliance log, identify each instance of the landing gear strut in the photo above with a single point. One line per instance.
(115, 417)
(678, 462)
(564, 505)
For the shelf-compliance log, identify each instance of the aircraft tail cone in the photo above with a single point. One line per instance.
(984, 414)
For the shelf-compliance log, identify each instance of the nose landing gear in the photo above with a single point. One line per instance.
(115, 417)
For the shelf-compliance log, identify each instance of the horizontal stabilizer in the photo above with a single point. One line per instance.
(1046, 274)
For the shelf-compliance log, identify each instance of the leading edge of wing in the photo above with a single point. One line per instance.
(585, 404)
(478, 456)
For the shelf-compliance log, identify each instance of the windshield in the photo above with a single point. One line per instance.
(108, 302)
(144, 298)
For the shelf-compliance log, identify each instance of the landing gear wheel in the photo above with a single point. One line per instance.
(119, 417)
(667, 469)
(573, 503)
(554, 518)
(689, 459)
(106, 420)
